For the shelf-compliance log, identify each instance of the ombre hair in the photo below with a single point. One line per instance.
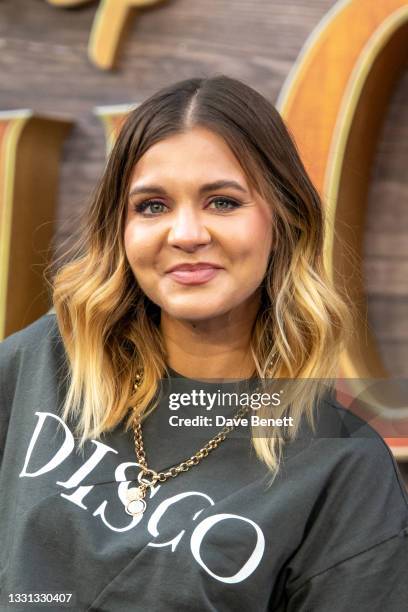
(111, 329)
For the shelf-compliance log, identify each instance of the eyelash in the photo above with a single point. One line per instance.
(141, 208)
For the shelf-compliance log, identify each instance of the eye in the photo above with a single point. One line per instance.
(150, 208)
(156, 207)
(226, 203)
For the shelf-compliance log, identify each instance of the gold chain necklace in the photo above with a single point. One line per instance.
(147, 478)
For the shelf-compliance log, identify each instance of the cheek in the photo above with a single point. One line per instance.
(262, 233)
(140, 245)
(254, 240)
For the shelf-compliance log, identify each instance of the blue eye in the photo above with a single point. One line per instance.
(231, 204)
(154, 205)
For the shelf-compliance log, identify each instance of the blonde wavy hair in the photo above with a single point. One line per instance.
(111, 330)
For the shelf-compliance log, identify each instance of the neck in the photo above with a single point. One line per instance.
(214, 348)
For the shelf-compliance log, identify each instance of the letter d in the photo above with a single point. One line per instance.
(60, 455)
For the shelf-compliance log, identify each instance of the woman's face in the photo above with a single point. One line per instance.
(190, 205)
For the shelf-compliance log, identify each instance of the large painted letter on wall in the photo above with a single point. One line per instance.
(29, 159)
(334, 101)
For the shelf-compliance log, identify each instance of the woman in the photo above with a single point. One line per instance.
(199, 275)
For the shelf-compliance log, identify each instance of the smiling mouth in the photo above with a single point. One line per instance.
(196, 276)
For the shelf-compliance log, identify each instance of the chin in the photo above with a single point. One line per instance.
(193, 312)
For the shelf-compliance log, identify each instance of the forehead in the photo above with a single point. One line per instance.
(196, 152)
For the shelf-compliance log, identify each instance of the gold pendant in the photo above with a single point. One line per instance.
(135, 505)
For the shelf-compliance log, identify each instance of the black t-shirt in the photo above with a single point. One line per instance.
(330, 534)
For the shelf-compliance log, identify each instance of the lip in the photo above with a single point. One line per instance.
(200, 265)
(193, 274)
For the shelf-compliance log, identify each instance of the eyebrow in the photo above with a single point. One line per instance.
(221, 184)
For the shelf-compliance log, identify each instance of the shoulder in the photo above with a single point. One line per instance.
(43, 329)
(358, 496)
(24, 353)
(24, 358)
(347, 435)
(361, 451)
(345, 458)
(336, 421)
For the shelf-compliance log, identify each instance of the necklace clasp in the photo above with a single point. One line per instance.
(148, 477)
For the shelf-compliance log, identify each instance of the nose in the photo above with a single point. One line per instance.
(187, 230)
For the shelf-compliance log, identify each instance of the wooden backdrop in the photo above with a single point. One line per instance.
(45, 67)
